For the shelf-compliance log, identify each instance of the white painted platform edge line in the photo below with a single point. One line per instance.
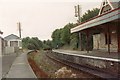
(101, 58)
(30, 67)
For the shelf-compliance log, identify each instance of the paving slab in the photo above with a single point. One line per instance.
(21, 68)
(7, 61)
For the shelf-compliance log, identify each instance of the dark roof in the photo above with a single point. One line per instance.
(11, 36)
(108, 5)
(115, 3)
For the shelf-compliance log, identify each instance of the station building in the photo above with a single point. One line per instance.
(104, 28)
(12, 43)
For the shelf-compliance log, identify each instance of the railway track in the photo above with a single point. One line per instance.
(98, 74)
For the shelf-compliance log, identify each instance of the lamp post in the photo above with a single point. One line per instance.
(19, 28)
(78, 13)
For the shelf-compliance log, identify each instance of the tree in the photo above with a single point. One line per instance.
(32, 43)
(56, 38)
(74, 40)
(47, 44)
(63, 36)
(25, 42)
(90, 14)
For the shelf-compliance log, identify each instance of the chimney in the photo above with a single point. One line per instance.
(1, 32)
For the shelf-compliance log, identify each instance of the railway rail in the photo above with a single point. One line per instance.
(61, 59)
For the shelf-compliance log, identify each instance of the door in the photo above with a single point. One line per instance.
(14, 43)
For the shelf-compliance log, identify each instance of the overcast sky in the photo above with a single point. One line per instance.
(39, 18)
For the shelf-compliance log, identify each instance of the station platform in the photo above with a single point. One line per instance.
(102, 64)
(21, 68)
(96, 54)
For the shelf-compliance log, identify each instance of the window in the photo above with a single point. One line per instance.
(106, 2)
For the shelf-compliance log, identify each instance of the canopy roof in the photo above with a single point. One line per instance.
(109, 11)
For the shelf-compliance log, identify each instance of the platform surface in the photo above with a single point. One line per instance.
(21, 68)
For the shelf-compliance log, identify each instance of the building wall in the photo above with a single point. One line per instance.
(14, 43)
(11, 50)
(0, 46)
(20, 44)
(96, 41)
(100, 43)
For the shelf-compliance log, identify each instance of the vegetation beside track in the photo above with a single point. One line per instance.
(50, 67)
